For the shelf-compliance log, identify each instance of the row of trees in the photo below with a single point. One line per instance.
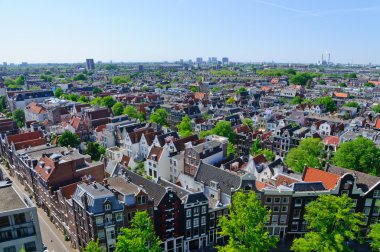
(360, 154)
(330, 222)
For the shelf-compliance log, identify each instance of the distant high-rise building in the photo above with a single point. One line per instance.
(199, 60)
(225, 60)
(213, 60)
(141, 68)
(4, 63)
(90, 65)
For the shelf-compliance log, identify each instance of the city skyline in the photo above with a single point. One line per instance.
(149, 31)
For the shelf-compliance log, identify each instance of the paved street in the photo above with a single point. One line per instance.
(51, 237)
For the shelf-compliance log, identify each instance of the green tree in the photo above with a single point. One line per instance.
(58, 92)
(360, 154)
(73, 97)
(224, 128)
(93, 246)
(331, 223)
(194, 89)
(369, 84)
(83, 99)
(20, 81)
(244, 225)
(96, 90)
(296, 100)
(68, 139)
(256, 147)
(159, 116)
(230, 100)
(309, 152)
(342, 85)
(352, 104)
(204, 133)
(240, 89)
(231, 150)
(376, 108)
(301, 78)
(248, 121)
(121, 79)
(108, 101)
(80, 77)
(118, 109)
(328, 102)
(96, 101)
(374, 235)
(3, 103)
(140, 237)
(19, 116)
(22, 249)
(184, 128)
(131, 111)
(269, 155)
(95, 150)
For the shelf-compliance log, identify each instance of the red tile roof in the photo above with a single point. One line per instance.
(24, 137)
(329, 180)
(285, 180)
(155, 151)
(259, 185)
(259, 159)
(68, 191)
(377, 125)
(340, 95)
(331, 140)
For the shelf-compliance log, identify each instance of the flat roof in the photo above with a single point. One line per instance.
(10, 200)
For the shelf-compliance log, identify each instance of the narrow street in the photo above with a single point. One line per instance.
(52, 238)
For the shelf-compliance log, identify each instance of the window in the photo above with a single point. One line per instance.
(19, 218)
(283, 219)
(365, 221)
(298, 202)
(294, 226)
(297, 213)
(368, 202)
(373, 220)
(212, 215)
(101, 234)
(196, 210)
(355, 202)
(304, 226)
(196, 222)
(4, 221)
(376, 210)
(108, 218)
(107, 207)
(268, 200)
(277, 200)
(119, 216)
(141, 200)
(284, 208)
(203, 220)
(99, 220)
(376, 194)
(196, 231)
(188, 212)
(276, 209)
(10, 249)
(30, 246)
(274, 218)
(188, 224)
(366, 210)
(307, 201)
(204, 208)
(285, 200)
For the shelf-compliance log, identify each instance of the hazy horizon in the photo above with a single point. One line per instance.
(157, 31)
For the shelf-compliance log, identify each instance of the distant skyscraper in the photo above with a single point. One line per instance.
(90, 65)
(213, 60)
(141, 68)
(225, 60)
(5, 63)
(199, 60)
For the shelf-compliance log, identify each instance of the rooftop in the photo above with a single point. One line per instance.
(10, 200)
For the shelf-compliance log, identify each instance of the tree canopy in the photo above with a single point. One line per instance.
(330, 223)
(302, 78)
(93, 246)
(240, 89)
(68, 139)
(308, 152)
(140, 237)
(374, 234)
(3, 103)
(121, 79)
(244, 225)
(118, 109)
(352, 104)
(159, 116)
(296, 100)
(248, 121)
(19, 116)
(328, 102)
(95, 150)
(107, 101)
(376, 108)
(80, 77)
(360, 154)
(184, 128)
(58, 92)
(96, 90)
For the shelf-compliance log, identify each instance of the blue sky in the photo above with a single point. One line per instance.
(158, 30)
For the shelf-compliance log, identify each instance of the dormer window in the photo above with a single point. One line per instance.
(214, 185)
(107, 207)
(141, 200)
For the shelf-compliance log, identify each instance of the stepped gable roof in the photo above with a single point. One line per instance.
(364, 181)
(329, 180)
(225, 179)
